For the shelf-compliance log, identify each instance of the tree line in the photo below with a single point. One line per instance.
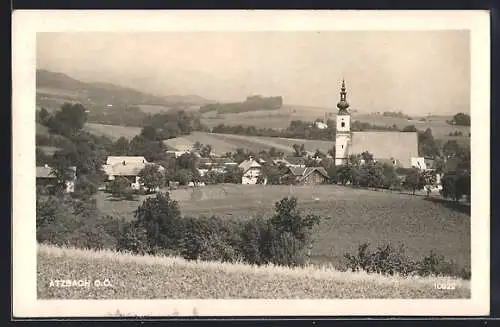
(252, 103)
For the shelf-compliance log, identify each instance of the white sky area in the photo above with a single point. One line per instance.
(416, 72)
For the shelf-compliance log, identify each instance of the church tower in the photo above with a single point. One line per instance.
(343, 135)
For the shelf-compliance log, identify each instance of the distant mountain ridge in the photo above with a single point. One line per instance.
(61, 85)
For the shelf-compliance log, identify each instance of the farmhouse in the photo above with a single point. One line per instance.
(309, 175)
(399, 148)
(252, 170)
(45, 178)
(127, 167)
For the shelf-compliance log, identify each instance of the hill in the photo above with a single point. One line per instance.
(281, 118)
(353, 216)
(53, 88)
(148, 277)
(223, 143)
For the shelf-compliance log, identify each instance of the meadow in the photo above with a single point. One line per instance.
(351, 217)
(149, 277)
(281, 118)
(222, 143)
(114, 132)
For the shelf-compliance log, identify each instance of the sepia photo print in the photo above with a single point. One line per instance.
(285, 166)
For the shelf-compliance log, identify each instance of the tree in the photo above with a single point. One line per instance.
(451, 148)
(119, 186)
(456, 185)
(289, 219)
(44, 116)
(344, 174)
(206, 151)
(299, 150)
(68, 120)
(461, 119)
(197, 146)
(151, 177)
(409, 128)
(188, 161)
(233, 175)
(427, 145)
(121, 147)
(272, 174)
(160, 217)
(414, 181)
(153, 151)
(367, 157)
(430, 180)
(149, 133)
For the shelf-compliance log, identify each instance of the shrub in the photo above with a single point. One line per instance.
(208, 239)
(387, 260)
(67, 221)
(160, 216)
(134, 239)
(384, 260)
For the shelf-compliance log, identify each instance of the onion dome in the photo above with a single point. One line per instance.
(343, 104)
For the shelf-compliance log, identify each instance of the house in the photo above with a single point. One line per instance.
(296, 161)
(45, 178)
(175, 154)
(309, 175)
(320, 125)
(252, 170)
(419, 162)
(127, 167)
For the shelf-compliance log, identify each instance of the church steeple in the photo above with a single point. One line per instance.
(343, 104)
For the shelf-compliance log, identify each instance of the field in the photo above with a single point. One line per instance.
(147, 277)
(113, 132)
(352, 216)
(223, 143)
(281, 118)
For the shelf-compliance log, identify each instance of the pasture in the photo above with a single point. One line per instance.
(223, 143)
(148, 277)
(281, 118)
(114, 132)
(351, 217)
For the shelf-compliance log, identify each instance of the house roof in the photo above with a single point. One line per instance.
(127, 169)
(401, 146)
(296, 160)
(127, 159)
(303, 172)
(249, 163)
(46, 171)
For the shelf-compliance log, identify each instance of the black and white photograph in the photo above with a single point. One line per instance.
(278, 162)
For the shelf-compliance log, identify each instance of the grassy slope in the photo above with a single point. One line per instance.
(114, 132)
(146, 277)
(281, 119)
(356, 216)
(223, 143)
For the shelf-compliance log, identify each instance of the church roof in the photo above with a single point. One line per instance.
(386, 145)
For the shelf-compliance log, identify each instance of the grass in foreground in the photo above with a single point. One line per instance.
(149, 277)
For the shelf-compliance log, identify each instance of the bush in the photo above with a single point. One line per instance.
(160, 216)
(208, 239)
(281, 240)
(71, 222)
(134, 239)
(387, 260)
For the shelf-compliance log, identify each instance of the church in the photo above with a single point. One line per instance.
(397, 148)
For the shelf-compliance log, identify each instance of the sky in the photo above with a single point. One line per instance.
(417, 72)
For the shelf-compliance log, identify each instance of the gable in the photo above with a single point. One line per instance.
(400, 146)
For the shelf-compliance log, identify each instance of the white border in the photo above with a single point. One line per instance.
(27, 23)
